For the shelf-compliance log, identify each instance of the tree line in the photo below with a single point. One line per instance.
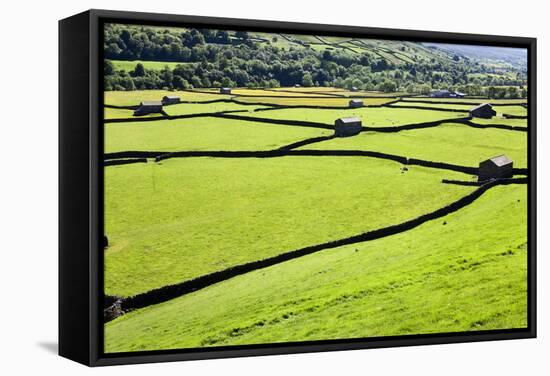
(214, 58)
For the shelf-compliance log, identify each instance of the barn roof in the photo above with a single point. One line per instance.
(351, 119)
(171, 97)
(151, 103)
(481, 106)
(501, 160)
(356, 101)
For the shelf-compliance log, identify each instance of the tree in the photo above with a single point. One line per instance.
(108, 67)
(196, 82)
(307, 80)
(425, 89)
(387, 86)
(128, 84)
(241, 35)
(139, 70)
(222, 36)
(512, 92)
(113, 51)
(180, 83)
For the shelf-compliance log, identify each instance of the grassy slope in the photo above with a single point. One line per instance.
(188, 217)
(381, 116)
(204, 133)
(450, 106)
(469, 274)
(128, 65)
(132, 98)
(502, 120)
(467, 99)
(260, 92)
(511, 110)
(197, 108)
(118, 113)
(321, 101)
(451, 143)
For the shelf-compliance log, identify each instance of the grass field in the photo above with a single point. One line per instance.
(128, 66)
(469, 100)
(502, 120)
(179, 221)
(450, 143)
(426, 280)
(121, 113)
(260, 93)
(199, 108)
(320, 102)
(181, 218)
(133, 98)
(376, 117)
(451, 106)
(204, 133)
(511, 110)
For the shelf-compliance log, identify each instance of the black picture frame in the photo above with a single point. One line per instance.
(81, 187)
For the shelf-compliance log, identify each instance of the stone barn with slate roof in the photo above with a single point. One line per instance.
(484, 111)
(170, 99)
(348, 126)
(148, 107)
(354, 103)
(225, 90)
(495, 168)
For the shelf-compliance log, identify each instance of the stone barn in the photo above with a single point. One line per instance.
(446, 94)
(225, 90)
(354, 103)
(484, 111)
(170, 99)
(495, 168)
(148, 107)
(348, 126)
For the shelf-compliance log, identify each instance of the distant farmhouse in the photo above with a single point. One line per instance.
(148, 107)
(354, 88)
(348, 126)
(297, 85)
(484, 111)
(446, 94)
(225, 90)
(495, 168)
(170, 99)
(354, 103)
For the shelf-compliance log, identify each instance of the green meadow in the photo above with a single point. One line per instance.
(181, 218)
(426, 280)
(448, 142)
(376, 116)
(198, 108)
(202, 133)
(186, 217)
(133, 98)
(130, 65)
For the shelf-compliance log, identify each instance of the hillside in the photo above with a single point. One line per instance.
(141, 57)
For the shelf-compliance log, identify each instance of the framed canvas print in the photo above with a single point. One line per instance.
(236, 187)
